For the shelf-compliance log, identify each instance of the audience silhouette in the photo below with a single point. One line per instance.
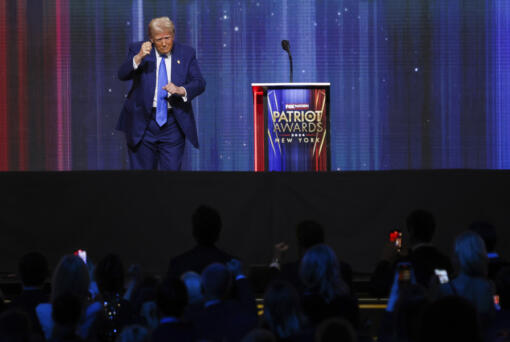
(471, 282)
(488, 233)
(66, 314)
(326, 295)
(33, 271)
(283, 315)
(205, 295)
(223, 317)
(308, 233)
(172, 300)
(206, 228)
(70, 277)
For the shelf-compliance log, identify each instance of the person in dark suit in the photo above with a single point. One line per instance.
(206, 225)
(172, 299)
(33, 271)
(157, 115)
(224, 319)
(423, 255)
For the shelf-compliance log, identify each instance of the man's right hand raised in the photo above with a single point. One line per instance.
(144, 51)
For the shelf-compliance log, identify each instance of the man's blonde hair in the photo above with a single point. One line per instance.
(161, 24)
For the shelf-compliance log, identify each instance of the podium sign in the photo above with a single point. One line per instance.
(291, 125)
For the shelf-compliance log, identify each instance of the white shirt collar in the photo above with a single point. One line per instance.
(159, 55)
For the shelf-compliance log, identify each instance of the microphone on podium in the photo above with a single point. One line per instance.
(286, 47)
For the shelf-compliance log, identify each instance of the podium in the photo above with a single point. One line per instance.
(291, 126)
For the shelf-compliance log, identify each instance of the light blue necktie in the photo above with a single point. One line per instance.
(162, 106)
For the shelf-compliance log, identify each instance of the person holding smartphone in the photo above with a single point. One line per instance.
(157, 115)
(417, 249)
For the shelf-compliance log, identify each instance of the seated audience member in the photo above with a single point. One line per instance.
(326, 293)
(472, 282)
(423, 255)
(149, 315)
(206, 225)
(117, 312)
(193, 283)
(33, 270)
(70, 277)
(259, 335)
(334, 330)
(451, 318)
(222, 318)
(402, 317)
(15, 326)
(283, 315)
(500, 324)
(66, 314)
(308, 233)
(171, 300)
(489, 236)
(144, 301)
(134, 333)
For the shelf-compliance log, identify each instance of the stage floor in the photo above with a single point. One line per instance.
(145, 216)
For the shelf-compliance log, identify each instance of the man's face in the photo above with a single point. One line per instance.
(163, 42)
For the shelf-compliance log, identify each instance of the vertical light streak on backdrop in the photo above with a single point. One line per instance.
(352, 106)
(330, 45)
(193, 13)
(447, 67)
(376, 106)
(48, 91)
(63, 89)
(365, 117)
(241, 140)
(137, 20)
(99, 56)
(353, 112)
(498, 81)
(23, 90)
(56, 92)
(225, 15)
(4, 139)
(228, 13)
(473, 120)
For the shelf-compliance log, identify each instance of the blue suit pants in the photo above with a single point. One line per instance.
(161, 147)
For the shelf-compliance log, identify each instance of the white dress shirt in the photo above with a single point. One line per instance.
(168, 65)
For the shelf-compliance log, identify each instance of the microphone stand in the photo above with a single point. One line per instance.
(286, 47)
(290, 59)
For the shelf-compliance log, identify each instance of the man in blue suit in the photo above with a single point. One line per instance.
(157, 115)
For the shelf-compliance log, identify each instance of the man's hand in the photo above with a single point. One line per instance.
(173, 89)
(144, 51)
(279, 250)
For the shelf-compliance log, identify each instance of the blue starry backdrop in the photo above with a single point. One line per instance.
(415, 84)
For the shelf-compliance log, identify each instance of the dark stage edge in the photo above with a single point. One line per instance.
(145, 216)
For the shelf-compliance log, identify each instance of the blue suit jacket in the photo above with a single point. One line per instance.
(136, 112)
